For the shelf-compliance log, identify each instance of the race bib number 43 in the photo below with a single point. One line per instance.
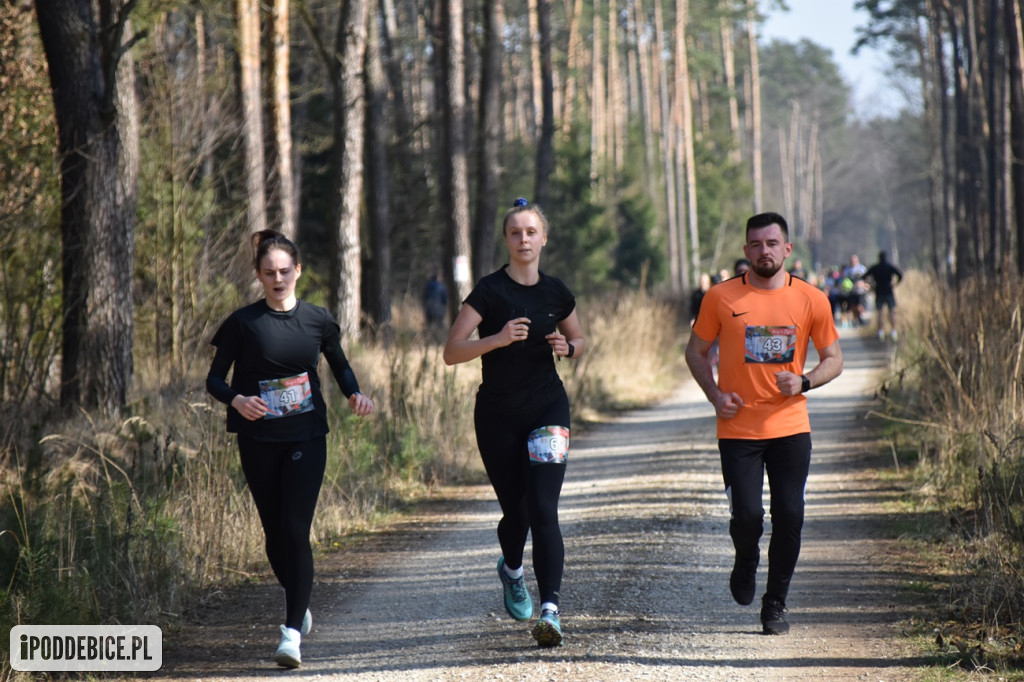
(766, 344)
(288, 396)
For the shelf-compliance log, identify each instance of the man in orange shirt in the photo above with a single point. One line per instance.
(764, 322)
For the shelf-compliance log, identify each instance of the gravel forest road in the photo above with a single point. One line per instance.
(645, 595)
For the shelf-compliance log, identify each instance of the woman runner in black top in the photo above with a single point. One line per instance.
(523, 317)
(277, 410)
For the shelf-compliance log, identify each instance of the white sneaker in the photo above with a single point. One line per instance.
(287, 654)
(894, 335)
(307, 623)
(881, 335)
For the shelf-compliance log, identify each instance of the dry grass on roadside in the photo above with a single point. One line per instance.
(956, 399)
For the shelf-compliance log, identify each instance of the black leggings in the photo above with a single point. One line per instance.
(787, 462)
(284, 479)
(528, 493)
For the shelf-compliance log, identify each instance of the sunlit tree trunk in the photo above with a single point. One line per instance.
(667, 157)
(349, 145)
(691, 262)
(614, 108)
(729, 67)
(281, 119)
(534, 104)
(598, 98)
(252, 115)
(570, 82)
(646, 95)
(757, 174)
(88, 54)
(947, 189)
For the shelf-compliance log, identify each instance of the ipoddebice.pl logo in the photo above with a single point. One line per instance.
(86, 647)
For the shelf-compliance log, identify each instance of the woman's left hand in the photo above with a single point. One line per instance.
(559, 344)
(362, 405)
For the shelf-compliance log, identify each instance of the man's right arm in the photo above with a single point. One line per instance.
(726, 404)
(700, 366)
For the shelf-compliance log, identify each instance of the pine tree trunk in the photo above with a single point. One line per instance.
(281, 119)
(691, 263)
(252, 115)
(614, 106)
(729, 66)
(757, 174)
(667, 157)
(534, 105)
(454, 152)
(92, 77)
(646, 94)
(1015, 59)
(488, 139)
(378, 139)
(599, 129)
(574, 57)
(349, 144)
(995, 95)
(546, 141)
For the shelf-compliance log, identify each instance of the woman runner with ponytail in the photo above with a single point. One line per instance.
(525, 320)
(277, 410)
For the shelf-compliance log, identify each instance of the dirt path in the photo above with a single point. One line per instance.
(645, 595)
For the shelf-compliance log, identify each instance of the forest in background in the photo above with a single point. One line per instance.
(142, 141)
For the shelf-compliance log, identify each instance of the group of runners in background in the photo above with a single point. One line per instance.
(853, 289)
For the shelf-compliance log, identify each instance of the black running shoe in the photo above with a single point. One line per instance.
(742, 581)
(773, 618)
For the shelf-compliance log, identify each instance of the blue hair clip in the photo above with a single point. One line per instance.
(520, 202)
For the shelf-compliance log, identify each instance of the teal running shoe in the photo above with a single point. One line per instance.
(517, 597)
(548, 630)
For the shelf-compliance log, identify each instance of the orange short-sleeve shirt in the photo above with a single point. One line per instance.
(761, 332)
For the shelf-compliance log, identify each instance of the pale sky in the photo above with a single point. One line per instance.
(832, 24)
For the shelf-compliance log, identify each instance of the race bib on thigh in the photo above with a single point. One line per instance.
(288, 396)
(548, 445)
(770, 344)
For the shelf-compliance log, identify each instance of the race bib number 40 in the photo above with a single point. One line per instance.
(766, 344)
(288, 396)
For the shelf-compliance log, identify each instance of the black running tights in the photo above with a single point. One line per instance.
(787, 462)
(528, 494)
(284, 479)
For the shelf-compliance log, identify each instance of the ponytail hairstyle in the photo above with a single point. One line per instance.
(521, 205)
(265, 240)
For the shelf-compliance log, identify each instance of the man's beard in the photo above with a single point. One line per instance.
(765, 270)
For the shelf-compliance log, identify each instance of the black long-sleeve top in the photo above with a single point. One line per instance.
(265, 344)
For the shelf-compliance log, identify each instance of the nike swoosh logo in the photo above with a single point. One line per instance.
(740, 314)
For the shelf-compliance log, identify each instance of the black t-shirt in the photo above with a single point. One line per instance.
(522, 375)
(265, 344)
(883, 274)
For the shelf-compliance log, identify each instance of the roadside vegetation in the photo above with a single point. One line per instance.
(136, 520)
(954, 398)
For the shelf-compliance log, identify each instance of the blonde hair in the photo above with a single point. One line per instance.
(522, 206)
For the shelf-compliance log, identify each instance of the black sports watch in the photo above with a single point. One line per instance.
(805, 384)
(572, 349)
